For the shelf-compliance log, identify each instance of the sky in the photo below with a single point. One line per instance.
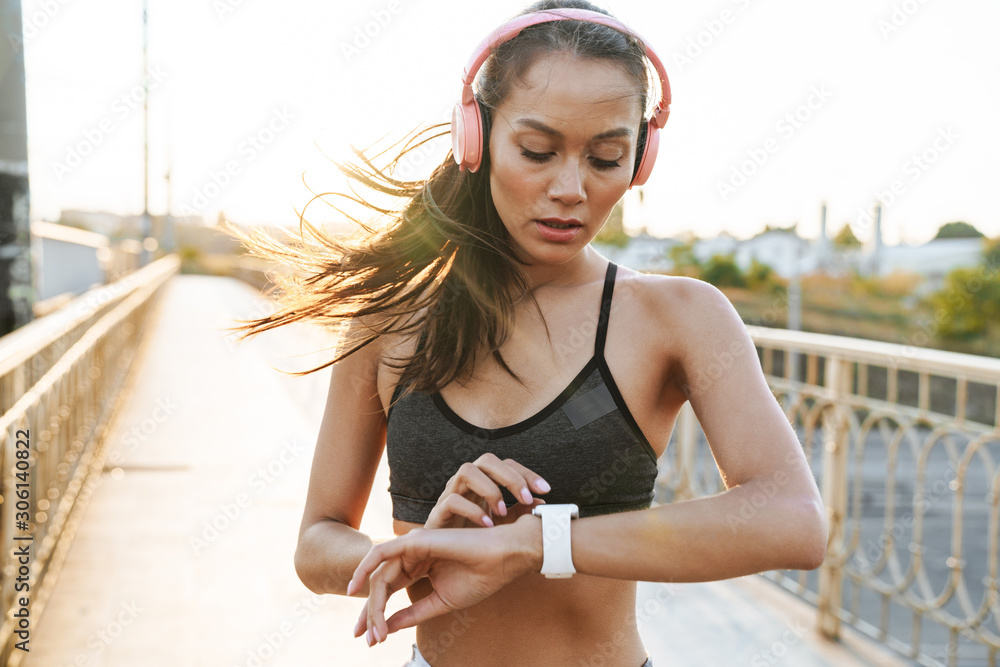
(778, 106)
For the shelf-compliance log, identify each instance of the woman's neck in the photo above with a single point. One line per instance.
(582, 268)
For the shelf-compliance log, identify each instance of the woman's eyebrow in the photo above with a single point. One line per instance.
(542, 127)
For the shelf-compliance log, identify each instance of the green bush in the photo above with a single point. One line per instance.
(969, 303)
(722, 271)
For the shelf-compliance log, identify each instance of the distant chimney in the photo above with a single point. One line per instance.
(876, 256)
(823, 245)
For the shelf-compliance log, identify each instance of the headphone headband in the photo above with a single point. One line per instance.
(513, 28)
(467, 123)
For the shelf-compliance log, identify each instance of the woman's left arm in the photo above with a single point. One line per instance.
(769, 517)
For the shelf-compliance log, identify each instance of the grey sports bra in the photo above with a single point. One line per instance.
(585, 443)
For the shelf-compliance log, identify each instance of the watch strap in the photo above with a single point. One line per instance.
(557, 557)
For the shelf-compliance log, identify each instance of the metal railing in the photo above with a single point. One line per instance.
(905, 444)
(61, 378)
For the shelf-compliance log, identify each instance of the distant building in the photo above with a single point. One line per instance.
(932, 260)
(785, 252)
(67, 260)
(643, 253)
(723, 244)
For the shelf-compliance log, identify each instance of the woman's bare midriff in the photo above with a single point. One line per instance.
(535, 621)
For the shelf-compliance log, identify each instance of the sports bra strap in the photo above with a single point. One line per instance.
(605, 314)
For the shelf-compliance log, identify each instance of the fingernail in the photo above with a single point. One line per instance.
(350, 587)
(375, 632)
(526, 494)
(368, 637)
(502, 508)
(543, 486)
(487, 521)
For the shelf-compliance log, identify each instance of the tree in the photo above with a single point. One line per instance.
(722, 271)
(792, 229)
(683, 258)
(958, 230)
(969, 302)
(845, 238)
(991, 253)
(759, 274)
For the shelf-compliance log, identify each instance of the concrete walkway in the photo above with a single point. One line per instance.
(184, 555)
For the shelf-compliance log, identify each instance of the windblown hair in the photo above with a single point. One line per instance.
(444, 268)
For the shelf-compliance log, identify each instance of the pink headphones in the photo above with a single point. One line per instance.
(467, 121)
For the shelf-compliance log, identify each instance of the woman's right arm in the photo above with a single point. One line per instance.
(348, 450)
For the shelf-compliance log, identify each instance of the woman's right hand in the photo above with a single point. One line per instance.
(472, 496)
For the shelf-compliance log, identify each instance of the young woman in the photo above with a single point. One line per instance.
(524, 387)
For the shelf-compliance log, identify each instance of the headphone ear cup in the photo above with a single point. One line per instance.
(649, 149)
(467, 135)
(485, 123)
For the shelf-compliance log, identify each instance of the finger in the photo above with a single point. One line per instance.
(418, 612)
(415, 543)
(472, 479)
(360, 626)
(456, 505)
(386, 581)
(518, 479)
(499, 473)
(531, 478)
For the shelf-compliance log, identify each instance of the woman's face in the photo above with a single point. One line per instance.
(562, 150)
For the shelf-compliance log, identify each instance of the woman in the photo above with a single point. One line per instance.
(506, 366)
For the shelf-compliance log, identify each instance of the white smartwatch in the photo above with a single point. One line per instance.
(557, 557)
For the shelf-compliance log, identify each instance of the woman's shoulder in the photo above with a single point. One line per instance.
(683, 313)
(669, 297)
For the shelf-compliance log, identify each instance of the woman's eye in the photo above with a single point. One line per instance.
(605, 164)
(535, 157)
(544, 157)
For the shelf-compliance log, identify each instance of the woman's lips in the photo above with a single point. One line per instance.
(558, 229)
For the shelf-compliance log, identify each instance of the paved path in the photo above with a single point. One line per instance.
(184, 555)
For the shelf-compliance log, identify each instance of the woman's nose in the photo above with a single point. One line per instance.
(567, 183)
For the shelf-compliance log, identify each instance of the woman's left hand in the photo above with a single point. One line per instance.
(464, 567)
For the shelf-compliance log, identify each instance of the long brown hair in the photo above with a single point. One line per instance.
(444, 267)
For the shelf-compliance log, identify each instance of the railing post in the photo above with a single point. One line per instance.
(836, 432)
(686, 444)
